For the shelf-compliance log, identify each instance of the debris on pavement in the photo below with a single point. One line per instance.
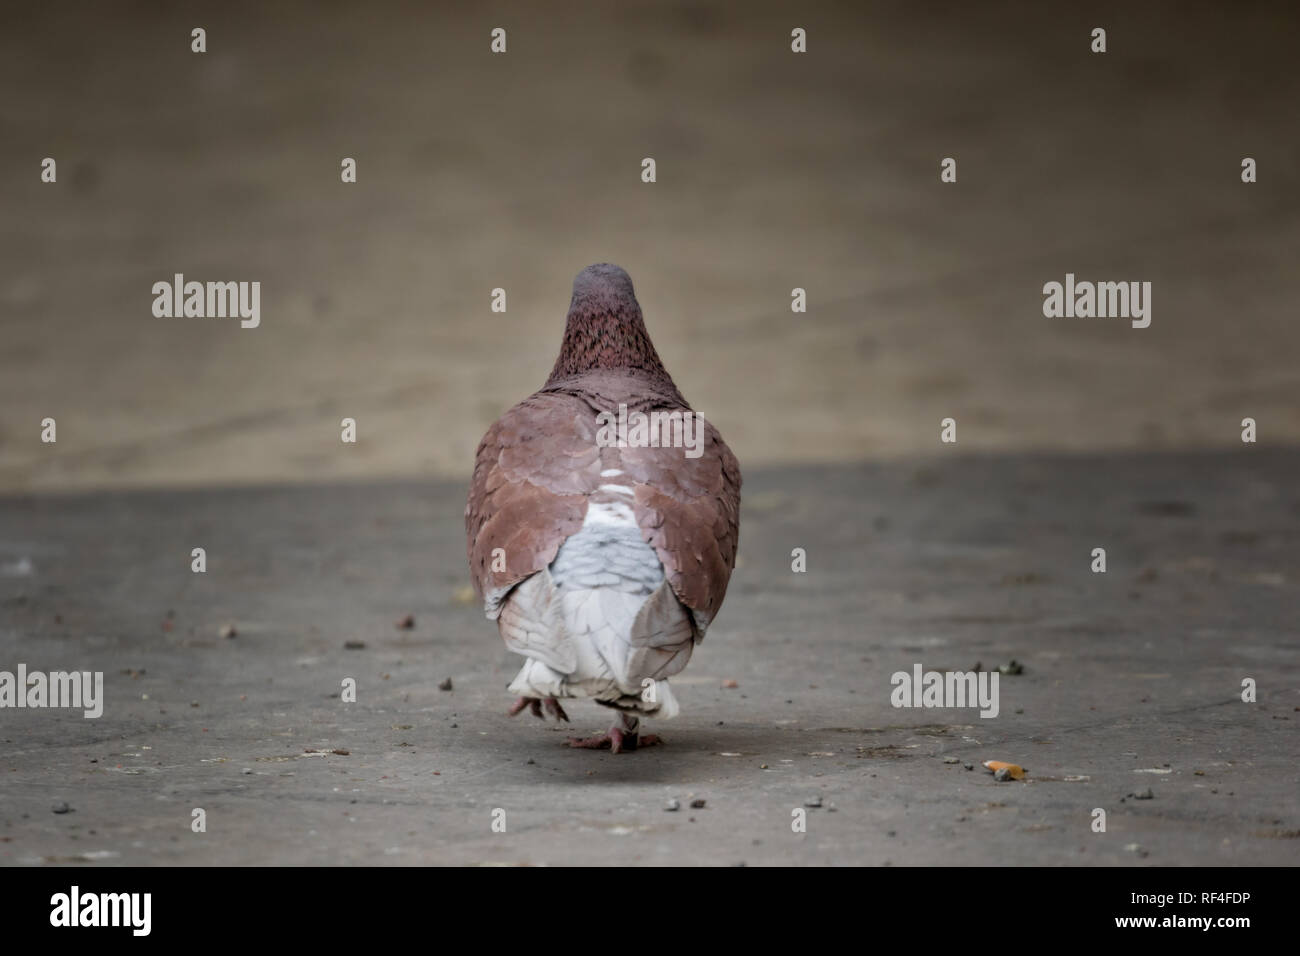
(1002, 770)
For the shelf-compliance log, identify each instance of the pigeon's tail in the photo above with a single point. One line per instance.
(536, 679)
(601, 621)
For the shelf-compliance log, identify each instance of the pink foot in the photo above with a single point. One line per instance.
(618, 738)
(534, 704)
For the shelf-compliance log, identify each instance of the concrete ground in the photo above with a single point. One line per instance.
(1131, 678)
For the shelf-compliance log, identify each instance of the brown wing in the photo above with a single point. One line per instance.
(689, 511)
(539, 462)
(532, 474)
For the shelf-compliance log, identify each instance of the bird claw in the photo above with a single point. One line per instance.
(534, 704)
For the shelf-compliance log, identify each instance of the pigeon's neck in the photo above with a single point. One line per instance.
(606, 336)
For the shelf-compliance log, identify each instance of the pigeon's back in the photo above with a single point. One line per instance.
(602, 552)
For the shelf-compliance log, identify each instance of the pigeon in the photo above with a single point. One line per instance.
(603, 551)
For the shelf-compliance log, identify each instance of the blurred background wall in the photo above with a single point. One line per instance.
(775, 171)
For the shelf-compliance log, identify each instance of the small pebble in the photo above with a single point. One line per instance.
(246, 770)
(1144, 795)
(228, 630)
(813, 802)
(952, 760)
(673, 805)
(61, 807)
(406, 623)
(445, 685)
(698, 803)
(353, 645)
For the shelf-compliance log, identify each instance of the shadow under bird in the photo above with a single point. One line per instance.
(602, 560)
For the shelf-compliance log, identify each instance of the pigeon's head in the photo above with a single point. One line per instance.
(604, 329)
(603, 282)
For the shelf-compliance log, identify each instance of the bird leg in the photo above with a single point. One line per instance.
(534, 704)
(622, 736)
